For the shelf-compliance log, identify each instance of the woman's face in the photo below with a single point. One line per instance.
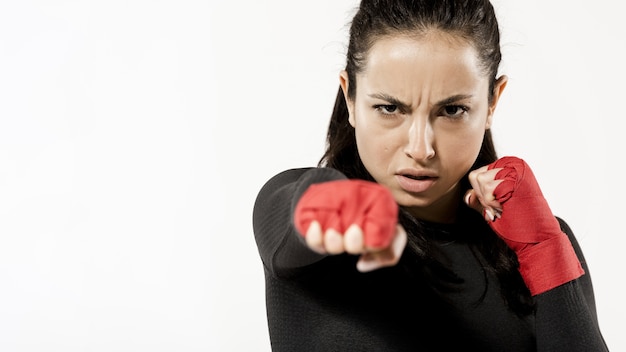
(420, 113)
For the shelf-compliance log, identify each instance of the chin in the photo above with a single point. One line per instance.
(407, 200)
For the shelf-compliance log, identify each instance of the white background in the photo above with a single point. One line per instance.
(135, 134)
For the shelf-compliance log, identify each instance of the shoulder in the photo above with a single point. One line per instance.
(287, 186)
(301, 176)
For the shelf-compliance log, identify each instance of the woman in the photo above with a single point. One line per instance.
(411, 235)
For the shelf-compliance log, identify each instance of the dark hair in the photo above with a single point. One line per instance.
(472, 20)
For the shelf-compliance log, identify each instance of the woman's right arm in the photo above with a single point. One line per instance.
(281, 247)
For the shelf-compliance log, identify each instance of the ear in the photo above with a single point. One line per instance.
(497, 93)
(344, 82)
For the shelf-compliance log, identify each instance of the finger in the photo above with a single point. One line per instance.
(391, 255)
(375, 260)
(353, 240)
(387, 257)
(481, 197)
(473, 175)
(315, 238)
(472, 201)
(399, 243)
(489, 213)
(487, 184)
(333, 241)
(484, 183)
(367, 262)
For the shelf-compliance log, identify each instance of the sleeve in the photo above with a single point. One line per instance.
(282, 249)
(566, 318)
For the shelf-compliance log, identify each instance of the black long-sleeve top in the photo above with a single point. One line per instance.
(322, 303)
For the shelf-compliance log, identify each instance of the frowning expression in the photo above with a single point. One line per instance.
(420, 113)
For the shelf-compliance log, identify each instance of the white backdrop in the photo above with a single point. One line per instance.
(135, 134)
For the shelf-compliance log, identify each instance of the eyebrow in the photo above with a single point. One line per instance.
(388, 98)
(454, 99)
(399, 103)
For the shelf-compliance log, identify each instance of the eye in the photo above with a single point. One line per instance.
(454, 111)
(386, 109)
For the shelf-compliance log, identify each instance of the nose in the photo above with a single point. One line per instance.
(420, 146)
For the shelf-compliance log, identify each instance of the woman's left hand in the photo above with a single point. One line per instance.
(508, 195)
(481, 197)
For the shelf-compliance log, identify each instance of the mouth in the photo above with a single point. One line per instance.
(416, 181)
(419, 178)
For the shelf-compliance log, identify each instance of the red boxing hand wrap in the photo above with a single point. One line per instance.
(339, 204)
(546, 256)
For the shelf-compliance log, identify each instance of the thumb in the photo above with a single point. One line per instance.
(472, 201)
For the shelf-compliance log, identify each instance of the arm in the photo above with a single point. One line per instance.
(550, 260)
(566, 317)
(334, 214)
(281, 248)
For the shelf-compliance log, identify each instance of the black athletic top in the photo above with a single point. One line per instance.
(322, 303)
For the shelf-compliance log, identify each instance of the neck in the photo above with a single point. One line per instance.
(444, 210)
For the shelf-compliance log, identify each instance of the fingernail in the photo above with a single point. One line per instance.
(489, 214)
(365, 266)
(468, 195)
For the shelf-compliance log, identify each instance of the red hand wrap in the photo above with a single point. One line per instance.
(546, 256)
(339, 204)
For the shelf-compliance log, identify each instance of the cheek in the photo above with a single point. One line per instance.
(376, 144)
(462, 148)
(369, 144)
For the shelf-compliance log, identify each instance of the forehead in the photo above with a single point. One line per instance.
(437, 60)
(433, 46)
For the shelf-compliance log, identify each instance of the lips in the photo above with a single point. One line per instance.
(416, 181)
(413, 177)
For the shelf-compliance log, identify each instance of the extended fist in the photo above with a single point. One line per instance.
(353, 216)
